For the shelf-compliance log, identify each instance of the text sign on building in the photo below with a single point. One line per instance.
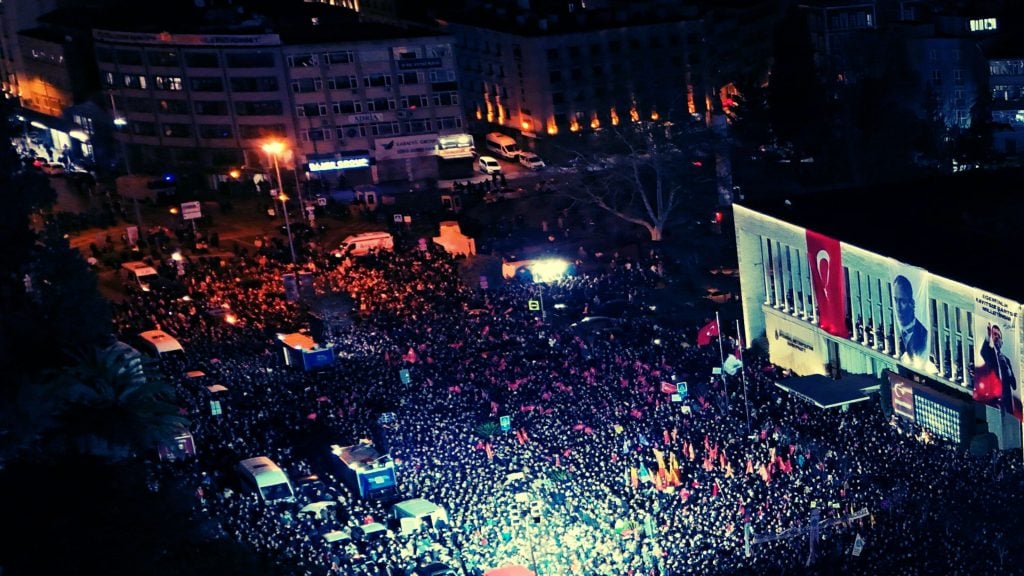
(191, 210)
(368, 117)
(405, 146)
(339, 164)
(419, 63)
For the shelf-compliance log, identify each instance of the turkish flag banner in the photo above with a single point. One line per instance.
(705, 334)
(826, 263)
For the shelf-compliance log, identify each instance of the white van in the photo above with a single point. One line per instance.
(263, 477)
(139, 274)
(504, 146)
(361, 244)
(489, 165)
(158, 343)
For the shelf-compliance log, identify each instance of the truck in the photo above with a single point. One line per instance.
(154, 189)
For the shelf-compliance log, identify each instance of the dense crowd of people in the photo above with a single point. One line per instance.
(629, 480)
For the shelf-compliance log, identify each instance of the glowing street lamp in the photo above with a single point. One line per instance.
(275, 148)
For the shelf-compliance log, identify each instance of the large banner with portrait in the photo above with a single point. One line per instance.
(909, 287)
(995, 353)
(826, 264)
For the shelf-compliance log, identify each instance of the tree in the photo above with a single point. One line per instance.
(117, 405)
(653, 177)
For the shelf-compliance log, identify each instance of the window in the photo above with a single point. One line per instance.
(259, 108)
(142, 128)
(253, 59)
(302, 61)
(167, 83)
(552, 55)
(162, 57)
(104, 54)
(210, 84)
(936, 76)
(215, 131)
(260, 131)
(211, 108)
(449, 123)
(406, 78)
(574, 53)
(417, 126)
(136, 105)
(555, 76)
(135, 81)
(202, 60)
(384, 129)
(347, 107)
(314, 109)
(129, 57)
(307, 85)
(414, 101)
(173, 107)
(254, 84)
(377, 80)
(340, 57)
(446, 99)
(177, 130)
(958, 78)
(442, 76)
(380, 104)
(351, 131)
(315, 135)
(342, 83)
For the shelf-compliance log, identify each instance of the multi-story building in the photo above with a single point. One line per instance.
(1006, 91)
(898, 285)
(538, 74)
(207, 89)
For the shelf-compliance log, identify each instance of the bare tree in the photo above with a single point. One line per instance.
(643, 173)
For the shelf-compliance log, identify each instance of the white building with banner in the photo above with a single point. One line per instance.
(911, 284)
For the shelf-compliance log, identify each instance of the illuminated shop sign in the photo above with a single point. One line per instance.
(339, 164)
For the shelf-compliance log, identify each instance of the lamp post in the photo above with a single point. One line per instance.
(275, 148)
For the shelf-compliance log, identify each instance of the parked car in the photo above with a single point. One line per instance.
(489, 165)
(531, 161)
(303, 230)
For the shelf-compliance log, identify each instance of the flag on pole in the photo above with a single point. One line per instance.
(707, 333)
(634, 478)
(660, 456)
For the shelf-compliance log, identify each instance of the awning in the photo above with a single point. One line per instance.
(826, 392)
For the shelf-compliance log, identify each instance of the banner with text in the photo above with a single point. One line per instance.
(995, 353)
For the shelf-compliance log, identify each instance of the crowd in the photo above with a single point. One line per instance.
(628, 480)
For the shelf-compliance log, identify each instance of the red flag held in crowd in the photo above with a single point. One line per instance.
(709, 331)
(668, 387)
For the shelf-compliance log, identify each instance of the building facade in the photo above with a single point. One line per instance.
(537, 76)
(370, 108)
(824, 303)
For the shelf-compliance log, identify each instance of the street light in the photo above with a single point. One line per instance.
(287, 224)
(275, 148)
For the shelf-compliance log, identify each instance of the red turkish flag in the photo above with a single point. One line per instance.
(826, 263)
(709, 331)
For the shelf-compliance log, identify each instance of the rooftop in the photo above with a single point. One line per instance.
(965, 227)
(295, 21)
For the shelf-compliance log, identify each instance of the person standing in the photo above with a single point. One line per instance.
(997, 365)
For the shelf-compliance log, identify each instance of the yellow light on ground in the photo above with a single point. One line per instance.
(173, 210)
(230, 318)
(235, 174)
(176, 256)
(282, 197)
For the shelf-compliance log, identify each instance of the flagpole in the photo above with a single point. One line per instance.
(743, 372)
(721, 357)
